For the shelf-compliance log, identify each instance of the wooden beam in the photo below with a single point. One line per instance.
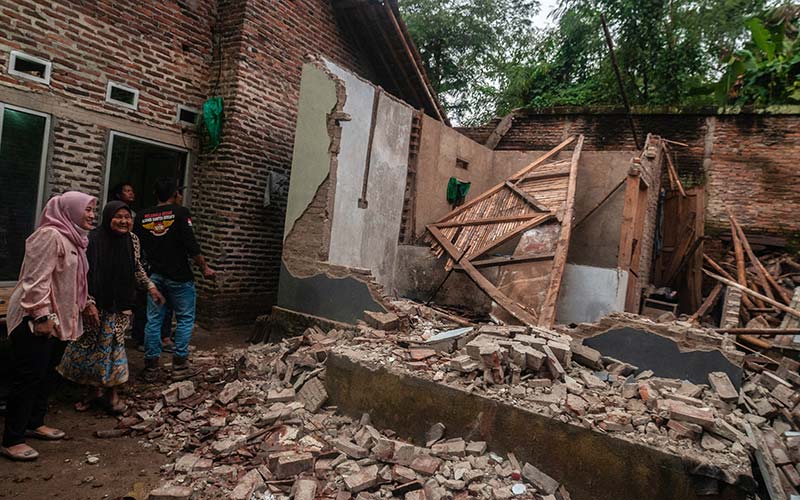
(707, 304)
(711, 262)
(782, 307)
(628, 222)
(547, 313)
(488, 220)
(510, 259)
(535, 163)
(544, 176)
(674, 172)
(484, 284)
(765, 275)
(759, 331)
(529, 199)
(500, 130)
(522, 228)
(409, 53)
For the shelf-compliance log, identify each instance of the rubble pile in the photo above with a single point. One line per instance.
(559, 377)
(253, 425)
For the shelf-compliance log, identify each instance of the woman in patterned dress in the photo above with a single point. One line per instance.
(98, 359)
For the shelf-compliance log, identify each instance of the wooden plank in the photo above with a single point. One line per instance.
(529, 199)
(674, 172)
(716, 267)
(535, 163)
(759, 331)
(488, 220)
(686, 239)
(544, 176)
(500, 130)
(782, 307)
(484, 284)
(494, 243)
(766, 465)
(707, 304)
(547, 314)
(628, 216)
(765, 275)
(510, 259)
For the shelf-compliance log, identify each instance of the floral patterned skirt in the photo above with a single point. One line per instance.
(98, 357)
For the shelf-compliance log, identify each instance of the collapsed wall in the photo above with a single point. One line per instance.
(345, 196)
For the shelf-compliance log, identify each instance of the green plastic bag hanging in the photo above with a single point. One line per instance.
(212, 116)
(457, 191)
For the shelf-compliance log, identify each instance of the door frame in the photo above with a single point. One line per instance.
(110, 147)
(42, 163)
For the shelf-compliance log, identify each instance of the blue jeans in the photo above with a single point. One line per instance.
(181, 296)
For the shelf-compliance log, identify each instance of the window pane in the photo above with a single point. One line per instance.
(20, 165)
(141, 164)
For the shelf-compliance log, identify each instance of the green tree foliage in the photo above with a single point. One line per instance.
(469, 47)
(668, 50)
(767, 70)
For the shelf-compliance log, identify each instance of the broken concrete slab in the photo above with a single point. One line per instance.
(662, 356)
(539, 479)
(382, 320)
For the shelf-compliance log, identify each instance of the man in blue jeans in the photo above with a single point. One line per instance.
(168, 241)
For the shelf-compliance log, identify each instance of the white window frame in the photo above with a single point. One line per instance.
(134, 106)
(187, 198)
(16, 54)
(42, 165)
(182, 107)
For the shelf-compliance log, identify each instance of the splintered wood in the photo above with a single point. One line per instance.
(542, 193)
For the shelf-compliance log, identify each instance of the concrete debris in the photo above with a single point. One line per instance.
(170, 493)
(382, 321)
(539, 479)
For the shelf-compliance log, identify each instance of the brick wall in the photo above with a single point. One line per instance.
(160, 47)
(265, 46)
(747, 161)
(250, 52)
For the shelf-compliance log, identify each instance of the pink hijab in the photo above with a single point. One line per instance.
(64, 213)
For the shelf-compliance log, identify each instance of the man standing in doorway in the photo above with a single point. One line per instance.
(168, 240)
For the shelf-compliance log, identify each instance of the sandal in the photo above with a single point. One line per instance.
(26, 455)
(46, 433)
(117, 408)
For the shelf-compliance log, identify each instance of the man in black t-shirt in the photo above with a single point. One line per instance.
(168, 241)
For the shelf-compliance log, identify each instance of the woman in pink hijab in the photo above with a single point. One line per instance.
(46, 309)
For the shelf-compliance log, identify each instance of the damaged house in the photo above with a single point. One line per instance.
(542, 307)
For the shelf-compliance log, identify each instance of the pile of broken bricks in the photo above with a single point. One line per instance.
(554, 375)
(253, 425)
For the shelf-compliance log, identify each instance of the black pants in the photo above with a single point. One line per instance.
(33, 375)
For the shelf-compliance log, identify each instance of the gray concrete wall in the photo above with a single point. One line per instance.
(368, 237)
(589, 293)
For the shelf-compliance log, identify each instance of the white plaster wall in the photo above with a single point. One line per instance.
(368, 238)
(589, 293)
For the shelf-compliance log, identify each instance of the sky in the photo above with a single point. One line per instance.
(545, 7)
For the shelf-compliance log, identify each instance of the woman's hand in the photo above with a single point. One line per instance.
(156, 295)
(44, 328)
(91, 316)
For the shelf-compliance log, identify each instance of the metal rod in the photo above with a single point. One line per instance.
(619, 80)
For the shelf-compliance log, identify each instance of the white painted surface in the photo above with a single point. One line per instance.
(589, 293)
(367, 238)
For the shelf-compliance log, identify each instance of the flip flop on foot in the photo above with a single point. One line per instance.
(19, 453)
(46, 433)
